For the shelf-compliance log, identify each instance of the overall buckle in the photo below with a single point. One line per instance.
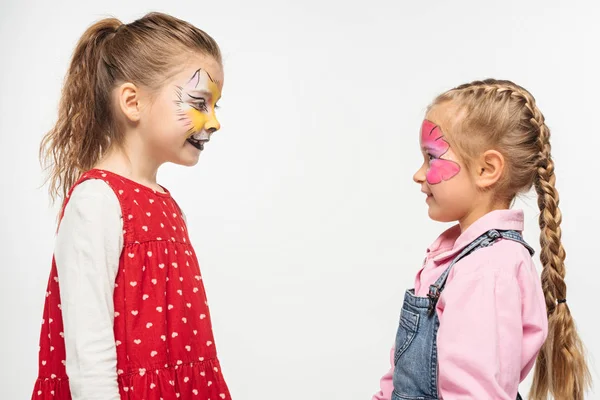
(433, 295)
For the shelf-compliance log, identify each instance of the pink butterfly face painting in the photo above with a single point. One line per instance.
(433, 143)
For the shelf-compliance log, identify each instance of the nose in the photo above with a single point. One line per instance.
(419, 176)
(212, 124)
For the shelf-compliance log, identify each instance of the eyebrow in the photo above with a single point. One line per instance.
(201, 95)
(434, 140)
(198, 92)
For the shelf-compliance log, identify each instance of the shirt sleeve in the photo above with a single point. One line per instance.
(480, 337)
(87, 252)
(386, 384)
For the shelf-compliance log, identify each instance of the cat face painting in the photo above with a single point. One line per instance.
(196, 102)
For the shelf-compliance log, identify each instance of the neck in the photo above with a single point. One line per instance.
(139, 166)
(478, 212)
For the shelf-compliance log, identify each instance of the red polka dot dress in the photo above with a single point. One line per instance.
(162, 325)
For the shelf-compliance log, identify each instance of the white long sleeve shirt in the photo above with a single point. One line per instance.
(87, 251)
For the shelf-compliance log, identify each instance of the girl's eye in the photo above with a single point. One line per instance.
(200, 106)
(430, 157)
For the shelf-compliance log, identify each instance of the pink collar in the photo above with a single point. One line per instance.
(452, 241)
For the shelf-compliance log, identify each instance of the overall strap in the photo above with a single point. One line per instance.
(485, 240)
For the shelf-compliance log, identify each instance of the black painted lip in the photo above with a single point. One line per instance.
(196, 143)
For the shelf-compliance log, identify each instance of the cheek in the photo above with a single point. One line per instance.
(441, 170)
(198, 120)
(457, 194)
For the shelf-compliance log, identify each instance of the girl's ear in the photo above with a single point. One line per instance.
(128, 101)
(488, 169)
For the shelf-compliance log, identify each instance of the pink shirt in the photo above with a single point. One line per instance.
(492, 312)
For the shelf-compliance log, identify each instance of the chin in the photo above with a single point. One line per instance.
(438, 215)
(187, 161)
(190, 163)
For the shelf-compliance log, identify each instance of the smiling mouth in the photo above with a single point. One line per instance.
(199, 144)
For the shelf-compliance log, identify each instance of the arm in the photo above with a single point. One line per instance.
(480, 337)
(88, 248)
(386, 384)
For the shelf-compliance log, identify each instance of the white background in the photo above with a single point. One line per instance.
(302, 210)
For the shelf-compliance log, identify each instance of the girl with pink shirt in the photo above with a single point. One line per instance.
(479, 316)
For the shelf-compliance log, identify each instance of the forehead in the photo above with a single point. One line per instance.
(438, 115)
(447, 115)
(205, 63)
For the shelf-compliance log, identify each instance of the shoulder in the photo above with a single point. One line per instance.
(93, 188)
(92, 219)
(93, 197)
(505, 258)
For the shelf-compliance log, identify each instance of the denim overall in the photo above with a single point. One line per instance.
(415, 359)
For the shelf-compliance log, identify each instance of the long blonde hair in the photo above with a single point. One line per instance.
(143, 52)
(504, 116)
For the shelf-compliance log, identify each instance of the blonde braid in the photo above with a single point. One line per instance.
(561, 369)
